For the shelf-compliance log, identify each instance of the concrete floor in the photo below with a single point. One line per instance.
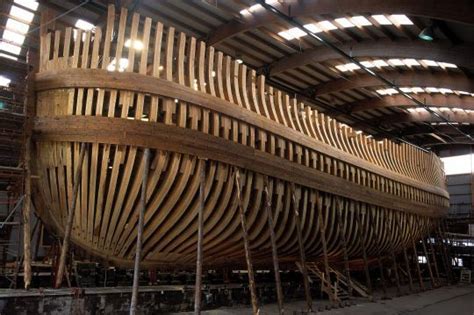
(458, 300)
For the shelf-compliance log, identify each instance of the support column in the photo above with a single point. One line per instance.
(199, 257)
(382, 277)
(70, 218)
(322, 230)
(393, 256)
(343, 243)
(447, 262)
(304, 269)
(248, 256)
(433, 255)
(433, 281)
(418, 269)
(405, 256)
(362, 233)
(141, 218)
(271, 226)
(27, 217)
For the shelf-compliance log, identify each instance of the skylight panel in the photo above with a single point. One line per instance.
(406, 89)
(360, 21)
(382, 19)
(391, 91)
(352, 66)
(410, 62)
(313, 28)
(10, 48)
(8, 56)
(445, 91)
(367, 64)
(430, 63)
(380, 63)
(13, 37)
(417, 89)
(30, 4)
(292, 33)
(447, 65)
(21, 14)
(84, 25)
(344, 22)
(396, 62)
(342, 68)
(327, 26)
(17, 26)
(432, 90)
(4, 81)
(400, 19)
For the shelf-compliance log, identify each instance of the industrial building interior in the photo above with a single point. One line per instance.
(236, 156)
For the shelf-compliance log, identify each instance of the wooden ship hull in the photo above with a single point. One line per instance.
(194, 108)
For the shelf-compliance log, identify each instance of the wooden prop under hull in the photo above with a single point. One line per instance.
(184, 100)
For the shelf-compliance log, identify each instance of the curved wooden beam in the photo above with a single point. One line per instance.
(435, 100)
(456, 11)
(441, 51)
(454, 81)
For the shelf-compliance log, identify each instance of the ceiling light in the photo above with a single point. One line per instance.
(344, 22)
(313, 28)
(382, 19)
(391, 91)
(427, 34)
(13, 37)
(342, 68)
(401, 19)
(381, 92)
(380, 63)
(4, 81)
(327, 26)
(430, 63)
(360, 21)
(410, 62)
(138, 45)
(30, 4)
(84, 25)
(292, 33)
(8, 56)
(21, 14)
(406, 89)
(17, 26)
(396, 62)
(447, 65)
(10, 48)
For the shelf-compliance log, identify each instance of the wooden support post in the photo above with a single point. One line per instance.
(199, 259)
(393, 256)
(362, 233)
(382, 277)
(418, 269)
(433, 255)
(322, 230)
(405, 256)
(70, 218)
(428, 264)
(248, 256)
(343, 243)
(276, 266)
(447, 262)
(304, 269)
(141, 218)
(27, 216)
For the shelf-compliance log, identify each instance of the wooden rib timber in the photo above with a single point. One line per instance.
(170, 93)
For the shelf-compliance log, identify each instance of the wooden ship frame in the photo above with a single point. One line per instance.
(263, 156)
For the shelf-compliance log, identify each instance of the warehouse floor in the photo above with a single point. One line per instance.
(457, 300)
